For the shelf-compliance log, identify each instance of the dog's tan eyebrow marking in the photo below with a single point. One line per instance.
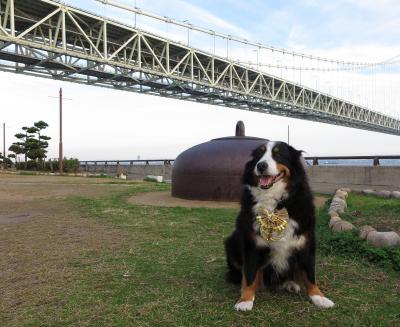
(275, 149)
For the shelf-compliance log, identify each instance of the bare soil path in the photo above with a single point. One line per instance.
(164, 199)
(41, 238)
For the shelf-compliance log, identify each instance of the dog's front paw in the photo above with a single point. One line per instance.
(321, 301)
(244, 306)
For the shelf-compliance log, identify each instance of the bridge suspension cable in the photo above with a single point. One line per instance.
(188, 25)
(389, 61)
(368, 83)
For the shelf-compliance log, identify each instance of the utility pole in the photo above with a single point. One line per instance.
(4, 146)
(60, 148)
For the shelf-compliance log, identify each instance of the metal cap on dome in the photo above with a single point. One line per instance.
(240, 129)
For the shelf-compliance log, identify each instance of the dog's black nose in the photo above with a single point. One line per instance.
(262, 166)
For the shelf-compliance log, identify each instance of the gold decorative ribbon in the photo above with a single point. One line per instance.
(272, 225)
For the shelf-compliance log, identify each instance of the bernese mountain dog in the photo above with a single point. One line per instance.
(274, 179)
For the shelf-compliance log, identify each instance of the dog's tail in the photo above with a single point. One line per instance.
(233, 259)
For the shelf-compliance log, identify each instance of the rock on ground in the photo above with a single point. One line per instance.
(341, 194)
(396, 194)
(334, 220)
(381, 239)
(384, 194)
(365, 230)
(339, 201)
(336, 207)
(342, 226)
(333, 213)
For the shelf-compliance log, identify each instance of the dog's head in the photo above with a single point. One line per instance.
(273, 162)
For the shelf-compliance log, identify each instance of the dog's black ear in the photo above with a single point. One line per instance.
(294, 154)
(258, 152)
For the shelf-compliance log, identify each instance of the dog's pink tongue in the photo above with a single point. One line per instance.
(266, 180)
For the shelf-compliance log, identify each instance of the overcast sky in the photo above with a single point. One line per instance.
(110, 124)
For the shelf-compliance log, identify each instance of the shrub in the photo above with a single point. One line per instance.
(70, 165)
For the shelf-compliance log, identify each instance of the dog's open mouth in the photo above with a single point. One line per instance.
(267, 181)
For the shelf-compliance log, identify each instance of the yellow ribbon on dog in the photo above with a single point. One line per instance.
(272, 225)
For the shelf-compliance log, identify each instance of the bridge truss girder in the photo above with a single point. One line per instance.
(49, 39)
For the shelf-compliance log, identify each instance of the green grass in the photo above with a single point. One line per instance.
(169, 271)
(27, 173)
(99, 176)
(349, 244)
(382, 214)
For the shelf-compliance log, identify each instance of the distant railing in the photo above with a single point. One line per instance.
(125, 162)
(375, 159)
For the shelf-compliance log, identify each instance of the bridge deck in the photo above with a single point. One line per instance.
(48, 39)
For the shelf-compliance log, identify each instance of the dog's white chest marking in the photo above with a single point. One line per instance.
(280, 250)
(268, 199)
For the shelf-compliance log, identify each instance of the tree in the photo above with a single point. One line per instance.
(22, 144)
(32, 144)
(4, 161)
(37, 147)
(13, 156)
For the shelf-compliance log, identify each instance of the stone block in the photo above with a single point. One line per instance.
(382, 239)
(334, 220)
(384, 194)
(342, 226)
(341, 194)
(339, 201)
(158, 179)
(396, 194)
(365, 230)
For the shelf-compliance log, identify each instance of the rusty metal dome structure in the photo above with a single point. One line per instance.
(213, 170)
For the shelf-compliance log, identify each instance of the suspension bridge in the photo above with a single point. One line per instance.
(50, 39)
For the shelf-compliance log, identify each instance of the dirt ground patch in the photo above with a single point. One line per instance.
(164, 199)
(42, 238)
(20, 188)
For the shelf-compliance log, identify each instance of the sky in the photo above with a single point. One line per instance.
(102, 124)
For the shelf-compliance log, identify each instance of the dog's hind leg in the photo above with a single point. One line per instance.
(233, 259)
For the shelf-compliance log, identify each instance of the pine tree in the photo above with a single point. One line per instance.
(32, 144)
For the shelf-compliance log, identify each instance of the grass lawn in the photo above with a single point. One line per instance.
(168, 270)
(382, 214)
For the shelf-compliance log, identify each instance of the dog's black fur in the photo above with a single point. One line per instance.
(242, 254)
